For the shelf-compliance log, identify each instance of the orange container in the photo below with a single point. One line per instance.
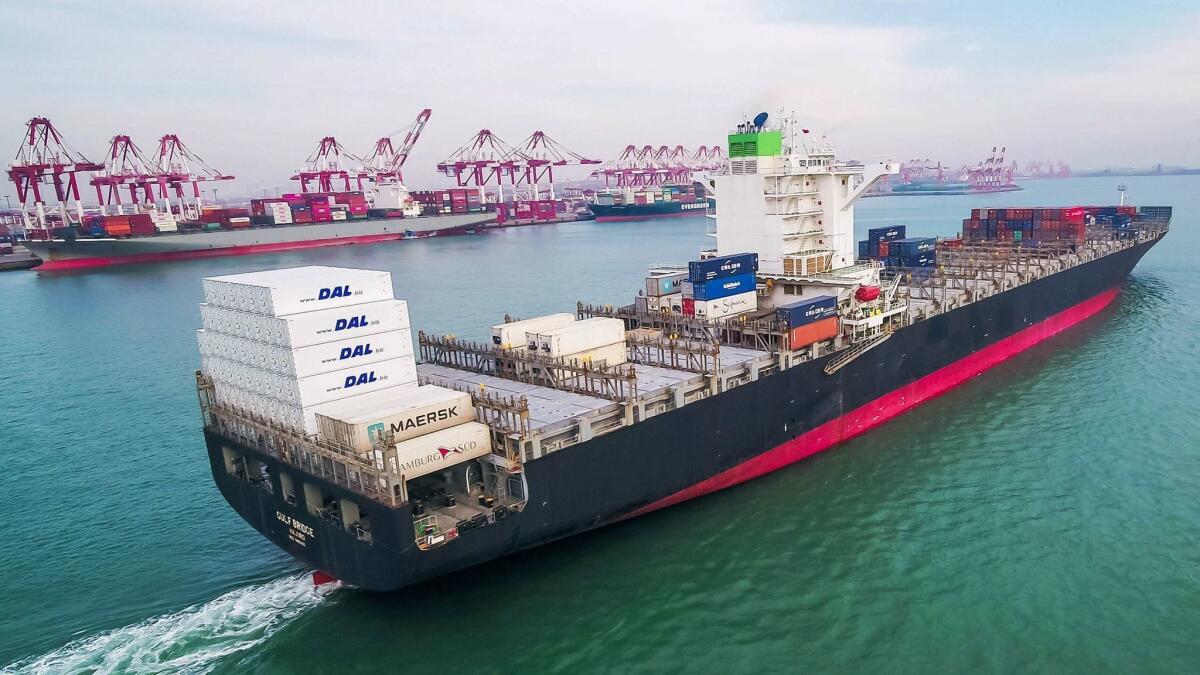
(803, 336)
(117, 229)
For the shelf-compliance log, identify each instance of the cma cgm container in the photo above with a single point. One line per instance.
(725, 307)
(807, 311)
(359, 421)
(875, 235)
(302, 289)
(722, 266)
(911, 246)
(309, 328)
(719, 288)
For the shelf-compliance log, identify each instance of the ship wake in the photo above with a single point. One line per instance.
(193, 640)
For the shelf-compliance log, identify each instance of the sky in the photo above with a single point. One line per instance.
(252, 85)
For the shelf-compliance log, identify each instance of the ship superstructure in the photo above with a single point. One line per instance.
(774, 346)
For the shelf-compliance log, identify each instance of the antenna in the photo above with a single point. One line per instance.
(1121, 189)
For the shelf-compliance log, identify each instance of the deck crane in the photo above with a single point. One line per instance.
(125, 166)
(179, 166)
(482, 161)
(44, 157)
(535, 159)
(330, 162)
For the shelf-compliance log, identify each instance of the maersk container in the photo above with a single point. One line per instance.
(440, 450)
(722, 266)
(580, 336)
(807, 311)
(664, 284)
(300, 289)
(312, 360)
(726, 307)
(513, 335)
(309, 328)
(359, 421)
(723, 288)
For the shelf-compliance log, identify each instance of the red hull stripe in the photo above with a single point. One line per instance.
(167, 256)
(648, 216)
(886, 407)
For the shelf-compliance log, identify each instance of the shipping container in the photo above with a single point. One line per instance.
(665, 283)
(663, 303)
(308, 328)
(722, 266)
(577, 337)
(726, 307)
(300, 289)
(864, 250)
(816, 331)
(311, 360)
(513, 335)
(806, 311)
(441, 449)
(721, 288)
(306, 392)
(911, 246)
(396, 413)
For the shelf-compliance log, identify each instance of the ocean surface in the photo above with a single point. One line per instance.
(1044, 517)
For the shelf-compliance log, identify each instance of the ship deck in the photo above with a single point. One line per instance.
(551, 409)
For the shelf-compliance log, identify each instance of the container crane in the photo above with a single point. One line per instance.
(384, 163)
(482, 161)
(45, 157)
(649, 166)
(536, 158)
(179, 166)
(126, 167)
(327, 163)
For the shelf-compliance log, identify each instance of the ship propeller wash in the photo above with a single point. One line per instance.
(383, 463)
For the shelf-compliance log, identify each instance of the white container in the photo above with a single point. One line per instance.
(440, 450)
(664, 284)
(512, 335)
(309, 328)
(299, 289)
(314, 390)
(358, 421)
(338, 214)
(727, 307)
(580, 336)
(673, 302)
(306, 361)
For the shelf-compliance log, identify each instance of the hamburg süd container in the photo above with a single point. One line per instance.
(512, 335)
(308, 328)
(725, 307)
(806, 311)
(299, 289)
(722, 266)
(580, 336)
(311, 360)
(440, 449)
(720, 288)
(359, 421)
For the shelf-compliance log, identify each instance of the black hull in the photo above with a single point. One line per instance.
(698, 448)
(641, 211)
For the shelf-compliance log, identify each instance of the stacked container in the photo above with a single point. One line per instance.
(809, 320)
(721, 287)
(281, 342)
(514, 334)
(591, 340)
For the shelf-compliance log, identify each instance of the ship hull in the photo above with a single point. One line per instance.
(618, 212)
(86, 253)
(702, 447)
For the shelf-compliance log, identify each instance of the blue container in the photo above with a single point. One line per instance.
(864, 249)
(807, 311)
(912, 246)
(926, 259)
(700, 271)
(890, 233)
(723, 288)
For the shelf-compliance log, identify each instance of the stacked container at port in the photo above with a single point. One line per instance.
(453, 200)
(1044, 224)
(533, 210)
(890, 246)
(279, 344)
(721, 287)
(664, 291)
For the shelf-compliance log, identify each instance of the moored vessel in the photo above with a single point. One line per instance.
(783, 343)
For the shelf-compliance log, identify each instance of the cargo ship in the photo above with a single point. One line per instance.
(660, 201)
(74, 252)
(778, 344)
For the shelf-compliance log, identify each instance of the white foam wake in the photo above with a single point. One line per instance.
(189, 641)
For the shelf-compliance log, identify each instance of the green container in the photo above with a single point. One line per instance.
(212, 226)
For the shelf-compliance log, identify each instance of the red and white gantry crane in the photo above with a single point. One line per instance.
(330, 162)
(44, 157)
(179, 166)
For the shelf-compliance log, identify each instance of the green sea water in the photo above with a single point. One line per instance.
(1044, 517)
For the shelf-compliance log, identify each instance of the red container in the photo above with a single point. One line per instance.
(803, 336)
(884, 247)
(689, 307)
(141, 224)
